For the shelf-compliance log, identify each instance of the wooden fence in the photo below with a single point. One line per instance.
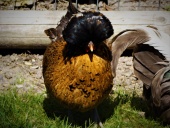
(25, 29)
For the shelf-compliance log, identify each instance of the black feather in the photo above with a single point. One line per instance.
(91, 26)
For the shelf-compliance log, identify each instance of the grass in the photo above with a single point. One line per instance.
(167, 8)
(29, 110)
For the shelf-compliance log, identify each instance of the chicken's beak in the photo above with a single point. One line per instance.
(91, 46)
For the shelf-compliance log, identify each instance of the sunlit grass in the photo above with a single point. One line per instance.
(29, 110)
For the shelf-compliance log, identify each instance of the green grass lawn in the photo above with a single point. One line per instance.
(29, 110)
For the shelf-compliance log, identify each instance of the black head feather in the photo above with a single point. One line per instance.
(89, 26)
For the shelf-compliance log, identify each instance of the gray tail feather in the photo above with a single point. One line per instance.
(145, 58)
(150, 67)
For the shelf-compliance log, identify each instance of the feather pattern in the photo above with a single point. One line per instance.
(145, 63)
(151, 67)
(122, 41)
(151, 62)
(130, 38)
(155, 85)
(83, 85)
(159, 40)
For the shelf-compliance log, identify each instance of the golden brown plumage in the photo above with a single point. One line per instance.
(76, 65)
(79, 83)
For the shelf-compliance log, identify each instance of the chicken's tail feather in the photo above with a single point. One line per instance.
(151, 67)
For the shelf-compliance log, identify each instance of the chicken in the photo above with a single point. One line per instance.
(76, 65)
(151, 62)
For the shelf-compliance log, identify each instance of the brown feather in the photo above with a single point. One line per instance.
(150, 65)
(125, 39)
(156, 86)
(145, 59)
(78, 84)
(55, 33)
(165, 116)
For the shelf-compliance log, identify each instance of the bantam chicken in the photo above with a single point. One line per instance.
(151, 61)
(76, 65)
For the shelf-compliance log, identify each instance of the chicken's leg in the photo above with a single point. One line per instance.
(70, 116)
(96, 118)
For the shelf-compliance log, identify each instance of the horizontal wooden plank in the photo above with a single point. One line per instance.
(119, 28)
(24, 30)
(27, 31)
(30, 17)
(116, 17)
(37, 39)
(24, 43)
(139, 17)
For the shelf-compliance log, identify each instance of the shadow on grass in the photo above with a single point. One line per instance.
(151, 113)
(105, 109)
(138, 103)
